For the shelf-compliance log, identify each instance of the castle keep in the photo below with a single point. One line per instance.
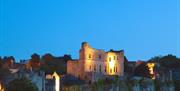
(94, 64)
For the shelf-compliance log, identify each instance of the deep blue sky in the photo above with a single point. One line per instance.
(143, 28)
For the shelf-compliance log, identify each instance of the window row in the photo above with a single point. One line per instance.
(114, 58)
(90, 56)
(99, 56)
(105, 69)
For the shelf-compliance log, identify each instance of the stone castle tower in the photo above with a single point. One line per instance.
(94, 64)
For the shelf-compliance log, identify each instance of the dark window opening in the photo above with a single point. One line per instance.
(85, 77)
(99, 56)
(95, 68)
(114, 69)
(90, 67)
(90, 56)
(89, 82)
(78, 76)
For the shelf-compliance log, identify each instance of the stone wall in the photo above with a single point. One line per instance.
(72, 68)
(97, 62)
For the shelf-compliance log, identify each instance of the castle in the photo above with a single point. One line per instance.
(96, 64)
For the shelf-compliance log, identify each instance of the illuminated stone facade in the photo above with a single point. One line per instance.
(94, 64)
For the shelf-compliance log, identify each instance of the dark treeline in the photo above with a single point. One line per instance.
(46, 62)
(168, 62)
(163, 65)
(49, 63)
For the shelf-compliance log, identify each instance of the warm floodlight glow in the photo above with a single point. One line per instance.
(56, 81)
(1, 88)
(151, 69)
(111, 64)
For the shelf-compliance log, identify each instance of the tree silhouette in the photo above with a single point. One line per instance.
(3, 69)
(51, 63)
(35, 62)
(168, 61)
(142, 70)
(22, 84)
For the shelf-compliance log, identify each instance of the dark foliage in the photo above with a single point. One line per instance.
(51, 63)
(4, 69)
(21, 84)
(168, 61)
(126, 68)
(142, 70)
(177, 85)
(35, 62)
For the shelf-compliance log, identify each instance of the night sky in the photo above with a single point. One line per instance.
(143, 28)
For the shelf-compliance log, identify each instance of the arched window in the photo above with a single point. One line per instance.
(94, 68)
(99, 56)
(89, 56)
(114, 69)
(114, 57)
(100, 68)
(90, 67)
(109, 59)
(110, 70)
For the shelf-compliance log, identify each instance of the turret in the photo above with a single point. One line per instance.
(84, 45)
(82, 50)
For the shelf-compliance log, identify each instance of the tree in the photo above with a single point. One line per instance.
(100, 83)
(22, 84)
(35, 61)
(35, 58)
(142, 70)
(1, 62)
(51, 63)
(167, 61)
(48, 63)
(3, 70)
(8, 62)
(170, 61)
(155, 59)
(3, 73)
